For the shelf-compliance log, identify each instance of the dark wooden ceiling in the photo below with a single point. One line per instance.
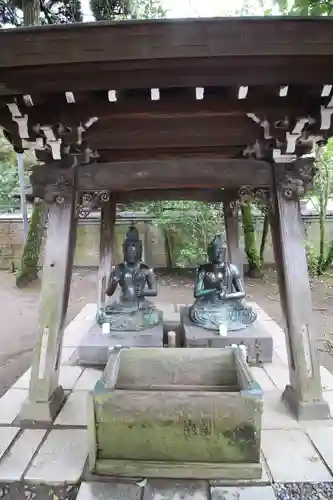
(120, 94)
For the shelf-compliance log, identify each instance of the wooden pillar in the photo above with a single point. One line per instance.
(304, 394)
(230, 211)
(45, 395)
(107, 249)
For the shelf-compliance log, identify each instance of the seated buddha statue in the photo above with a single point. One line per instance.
(132, 311)
(219, 293)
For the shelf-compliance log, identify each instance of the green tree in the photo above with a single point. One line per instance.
(188, 227)
(9, 179)
(305, 7)
(8, 175)
(320, 259)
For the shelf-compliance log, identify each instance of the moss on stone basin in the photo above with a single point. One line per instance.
(178, 423)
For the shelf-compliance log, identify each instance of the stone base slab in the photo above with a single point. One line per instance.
(58, 456)
(40, 413)
(313, 410)
(256, 337)
(93, 349)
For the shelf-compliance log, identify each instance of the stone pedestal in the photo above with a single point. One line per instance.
(94, 347)
(257, 339)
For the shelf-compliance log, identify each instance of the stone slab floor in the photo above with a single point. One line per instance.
(37, 464)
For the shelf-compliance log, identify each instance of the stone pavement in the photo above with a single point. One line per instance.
(37, 463)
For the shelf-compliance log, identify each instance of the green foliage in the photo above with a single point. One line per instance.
(8, 174)
(250, 246)
(188, 228)
(104, 10)
(305, 7)
(51, 11)
(70, 11)
(319, 260)
(28, 271)
(9, 179)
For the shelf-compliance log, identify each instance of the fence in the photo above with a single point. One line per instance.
(87, 247)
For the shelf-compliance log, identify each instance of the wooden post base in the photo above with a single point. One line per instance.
(305, 410)
(41, 413)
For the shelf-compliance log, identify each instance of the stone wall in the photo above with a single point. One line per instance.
(87, 247)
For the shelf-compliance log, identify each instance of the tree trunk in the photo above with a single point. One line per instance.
(168, 249)
(31, 12)
(30, 258)
(251, 251)
(264, 239)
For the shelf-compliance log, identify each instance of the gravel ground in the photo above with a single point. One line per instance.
(304, 491)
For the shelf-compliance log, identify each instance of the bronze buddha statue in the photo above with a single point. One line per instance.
(132, 311)
(219, 293)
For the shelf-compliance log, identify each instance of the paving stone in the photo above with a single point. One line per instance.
(74, 412)
(16, 460)
(322, 438)
(176, 490)
(7, 434)
(24, 381)
(61, 458)
(276, 414)
(326, 379)
(10, 404)
(262, 315)
(277, 332)
(328, 395)
(278, 371)
(262, 378)
(264, 480)
(243, 493)
(66, 353)
(69, 376)
(291, 457)
(79, 326)
(109, 491)
(88, 379)
(281, 351)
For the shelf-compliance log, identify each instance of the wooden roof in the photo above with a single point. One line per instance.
(168, 103)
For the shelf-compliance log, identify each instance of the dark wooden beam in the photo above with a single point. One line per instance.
(204, 195)
(232, 71)
(167, 39)
(174, 132)
(163, 174)
(120, 155)
(55, 109)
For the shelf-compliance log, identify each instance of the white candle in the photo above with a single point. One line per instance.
(106, 328)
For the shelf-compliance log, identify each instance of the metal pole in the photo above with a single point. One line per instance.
(22, 196)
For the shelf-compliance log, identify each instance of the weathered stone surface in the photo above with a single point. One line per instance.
(300, 463)
(243, 493)
(257, 339)
(61, 458)
(75, 412)
(109, 491)
(88, 379)
(14, 464)
(322, 438)
(10, 404)
(24, 381)
(144, 422)
(7, 434)
(176, 490)
(69, 376)
(276, 413)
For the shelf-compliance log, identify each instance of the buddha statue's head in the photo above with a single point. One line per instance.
(217, 250)
(132, 246)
